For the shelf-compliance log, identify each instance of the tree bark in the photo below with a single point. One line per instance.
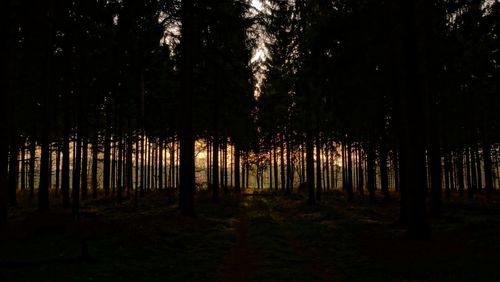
(215, 167)
(13, 170)
(187, 173)
(237, 186)
(31, 178)
(412, 158)
(318, 167)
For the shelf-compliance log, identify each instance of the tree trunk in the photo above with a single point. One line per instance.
(370, 169)
(65, 163)
(31, 179)
(344, 167)
(318, 167)
(226, 188)
(237, 186)
(113, 165)
(95, 152)
(119, 182)
(4, 155)
(76, 175)
(187, 173)
(215, 167)
(270, 169)
(282, 163)
(23, 167)
(479, 186)
(384, 177)
(412, 157)
(310, 166)
(488, 167)
(447, 176)
(327, 166)
(247, 170)
(350, 193)
(275, 164)
(360, 172)
(85, 159)
(289, 184)
(160, 165)
(471, 172)
(107, 152)
(58, 169)
(13, 171)
(435, 174)
(129, 163)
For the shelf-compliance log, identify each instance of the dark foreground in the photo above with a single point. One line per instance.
(250, 238)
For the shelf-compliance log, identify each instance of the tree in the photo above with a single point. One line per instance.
(187, 185)
(411, 154)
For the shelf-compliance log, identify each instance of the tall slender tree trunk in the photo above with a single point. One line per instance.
(350, 192)
(247, 169)
(187, 173)
(361, 172)
(45, 169)
(113, 164)
(310, 166)
(344, 167)
(237, 166)
(129, 162)
(13, 171)
(5, 52)
(473, 176)
(160, 164)
(143, 164)
(488, 167)
(384, 177)
(95, 152)
(289, 184)
(275, 159)
(31, 178)
(396, 169)
(460, 172)
(270, 169)
(215, 167)
(282, 163)
(327, 166)
(85, 164)
(58, 169)
(447, 176)
(318, 167)
(77, 174)
(65, 162)
(333, 171)
(411, 143)
(23, 166)
(452, 171)
(479, 185)
(303, 163)
(4, 153)
(107, 152)
(119, 182)
(370, 169)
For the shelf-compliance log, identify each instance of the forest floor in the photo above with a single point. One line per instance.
(254, 237)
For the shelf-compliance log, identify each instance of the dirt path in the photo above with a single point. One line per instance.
(240, 263)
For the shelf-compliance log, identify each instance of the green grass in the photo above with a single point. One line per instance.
(289, 240)
(152, 244)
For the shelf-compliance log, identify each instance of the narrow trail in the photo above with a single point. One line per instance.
(246, 258)
(240, 263)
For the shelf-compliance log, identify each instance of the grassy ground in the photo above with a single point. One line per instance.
(251, 238)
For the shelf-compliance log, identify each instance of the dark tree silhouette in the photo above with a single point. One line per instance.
(187, 185)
